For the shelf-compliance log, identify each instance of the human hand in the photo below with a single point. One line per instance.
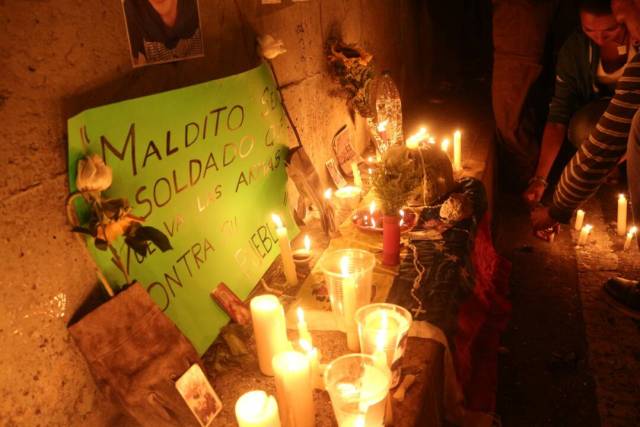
(533, 194)
(541, 219)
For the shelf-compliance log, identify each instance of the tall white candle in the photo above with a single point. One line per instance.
(630, 235)
(314, 363)
(294, 389)
(257, 409)
(357, 178)
(579, 220)
(457, 150)
(622, 215)
(349, 305)
(303, 330)
(285, 252)
(584, 233)
(269, 328)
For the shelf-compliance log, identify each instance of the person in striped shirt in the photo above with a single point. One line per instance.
(616, 133)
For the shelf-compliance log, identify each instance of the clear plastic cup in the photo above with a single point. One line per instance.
(348, 273)
(384, 328)
(358, 387)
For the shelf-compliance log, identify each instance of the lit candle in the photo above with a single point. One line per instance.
(269, 328)
(457, 150)
(294, 390)
(314, 363)
(432, 140)
(445, 145)
(584, 233)
(285, 251)
(357, 178)
(303, 330)
(373, 223)
(622, 215)
(303, 255)
(579, 220)
(349, 304)
(630, 235)
(257, 409)
(372, 207)
(328, 193)
(401, 212)
(414, 140)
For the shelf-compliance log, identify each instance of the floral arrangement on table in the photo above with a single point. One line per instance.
(353, 68)
(396, 180)
(110, 218)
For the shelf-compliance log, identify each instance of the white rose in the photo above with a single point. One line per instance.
(93, 174)
(269, 48)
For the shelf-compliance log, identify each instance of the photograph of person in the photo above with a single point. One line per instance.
(163, 30)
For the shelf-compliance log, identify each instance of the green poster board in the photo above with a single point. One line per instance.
(206, 165)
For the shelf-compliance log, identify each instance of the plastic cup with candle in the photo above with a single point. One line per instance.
(579, 220)
(269, 328)
(348, 196)
(457, 150)
(584, 233)
(630, 236)
(622, 215)
(358, 389)
(389, 323)
(294, 389)
(257, 409)
(348, 274)
(285, 251)
(302, 256)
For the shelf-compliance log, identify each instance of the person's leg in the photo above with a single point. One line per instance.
(519, 34)
(584, 120)
(633, 167)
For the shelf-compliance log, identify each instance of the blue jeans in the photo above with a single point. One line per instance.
(633, 167)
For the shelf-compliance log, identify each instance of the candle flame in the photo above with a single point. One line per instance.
(372, 207)
(382, 126)
(328, 193)
(457, 134)
(633, 230)
(401, 213)
(414, 140)
(445, 145)
(588, 228)
(370, 159)
(276, 219)
(373, 223)
(370, 171)
(622, 197)
(344, 265)
(432, 140)
(307, 242)
(305, 345)
(300, 313)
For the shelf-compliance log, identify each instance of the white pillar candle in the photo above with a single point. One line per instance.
(285, 251)
(294, 390)
(622, 215)
(303, 330)
(349, 305)
(584, 233)
(314, 363)
(630, 235)
(257, 409)
(579, 220)
(457, 150)
(269, 328)
(357, 178)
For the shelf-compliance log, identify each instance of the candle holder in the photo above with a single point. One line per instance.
(302, 257)
(348, 197)
(387, 325)
(358, 389)
(348, 274)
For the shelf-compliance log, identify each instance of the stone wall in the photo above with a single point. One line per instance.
(61, 57)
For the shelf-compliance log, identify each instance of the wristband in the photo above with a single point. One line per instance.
(539, 178)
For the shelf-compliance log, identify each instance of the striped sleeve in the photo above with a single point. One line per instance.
(598, 155)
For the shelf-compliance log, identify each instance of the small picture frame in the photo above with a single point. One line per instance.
(336, 176)
(199, 396)
(231, 304)
(344, 151)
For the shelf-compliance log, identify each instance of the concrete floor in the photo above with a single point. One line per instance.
(568, 358)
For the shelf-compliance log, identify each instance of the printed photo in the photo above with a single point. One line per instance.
(163, 30)
(196, 391)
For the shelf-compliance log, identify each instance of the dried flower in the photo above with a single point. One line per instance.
(93, 174)
(270, 48)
